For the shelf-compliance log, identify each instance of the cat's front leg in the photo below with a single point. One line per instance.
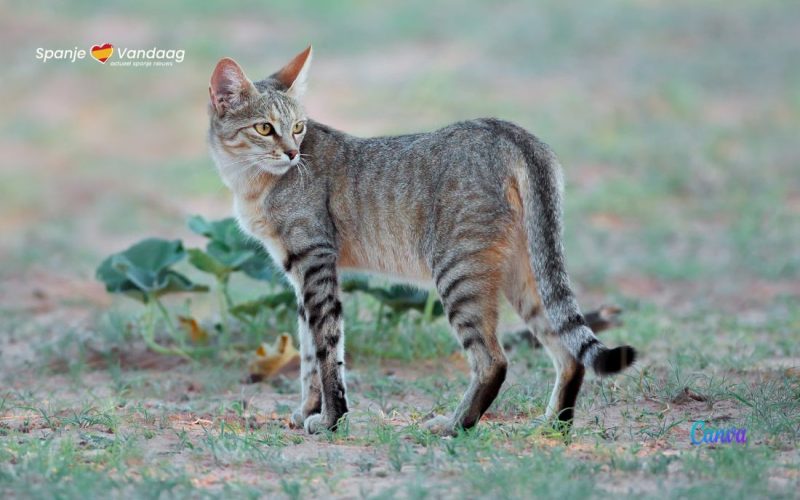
(314, 269)
(311, 399)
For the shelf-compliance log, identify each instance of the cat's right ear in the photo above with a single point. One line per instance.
(229, 86)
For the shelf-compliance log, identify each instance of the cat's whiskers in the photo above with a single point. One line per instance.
(244, 160)
(251, 159)
(302, 176)
(303, 167)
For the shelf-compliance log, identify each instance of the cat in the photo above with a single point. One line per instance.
(473, 209)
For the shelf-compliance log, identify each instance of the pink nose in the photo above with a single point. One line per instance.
(292, 153)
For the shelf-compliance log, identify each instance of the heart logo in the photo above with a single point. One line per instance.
(102, 52)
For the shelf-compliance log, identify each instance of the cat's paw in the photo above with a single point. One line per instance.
(314, 424)
(297, 419)
(317, 423)
(441, 425)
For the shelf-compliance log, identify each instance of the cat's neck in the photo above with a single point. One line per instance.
(252, 186)
(320, 137)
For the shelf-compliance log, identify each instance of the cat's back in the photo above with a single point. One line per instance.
(459, 134)
(474, 147)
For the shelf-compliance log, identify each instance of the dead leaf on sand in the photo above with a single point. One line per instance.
(686, 396)
(271, 360)
(197, 333)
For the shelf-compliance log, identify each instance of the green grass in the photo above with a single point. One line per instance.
(102, 443)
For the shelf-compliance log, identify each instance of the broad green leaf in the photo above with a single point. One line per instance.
(355, 283)
(207, 263)
(261, 267)
(234, 249)
(399, 298)
(143, 270)
(402, 298)
(225, 231)
(233, 258)
(274, 301)
(174, 282)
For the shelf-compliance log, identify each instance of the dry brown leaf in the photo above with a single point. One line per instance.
(269, 359)
(686, 396)
(196, 332)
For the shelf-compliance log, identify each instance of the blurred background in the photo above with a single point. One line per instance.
(677, 123)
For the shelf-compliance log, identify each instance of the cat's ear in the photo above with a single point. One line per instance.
(229, 86)
(293, 78)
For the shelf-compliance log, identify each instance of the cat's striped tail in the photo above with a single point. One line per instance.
(540, 188)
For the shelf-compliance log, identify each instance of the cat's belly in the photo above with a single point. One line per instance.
(391, 259)
(391, 256)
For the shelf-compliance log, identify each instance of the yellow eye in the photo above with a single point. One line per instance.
(263, 128)
(298, 128)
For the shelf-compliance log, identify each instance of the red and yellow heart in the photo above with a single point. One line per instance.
(102, 52)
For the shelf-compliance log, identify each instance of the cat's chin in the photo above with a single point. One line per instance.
(278, 168)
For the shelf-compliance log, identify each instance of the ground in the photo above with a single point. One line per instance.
(676, 123)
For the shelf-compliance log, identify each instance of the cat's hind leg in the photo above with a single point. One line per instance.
(468, 284)
(520, 289)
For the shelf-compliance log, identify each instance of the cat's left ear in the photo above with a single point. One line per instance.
(294, 76)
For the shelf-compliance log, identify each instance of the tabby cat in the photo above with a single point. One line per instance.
(473, 209)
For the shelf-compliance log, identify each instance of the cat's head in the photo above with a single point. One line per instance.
(257, 127)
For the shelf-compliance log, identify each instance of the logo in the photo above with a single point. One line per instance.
(700, 434)
(116, 56)
(153, 56)
(102, 52)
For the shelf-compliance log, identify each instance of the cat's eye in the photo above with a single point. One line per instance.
(263, 128)
(298, 128)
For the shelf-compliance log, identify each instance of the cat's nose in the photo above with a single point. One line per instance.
(292, 153)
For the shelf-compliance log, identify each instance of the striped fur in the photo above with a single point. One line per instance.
(473, 209)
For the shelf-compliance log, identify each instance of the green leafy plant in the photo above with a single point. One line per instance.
(228, 251)
(251, 308)
(144, 272)
(399, 299)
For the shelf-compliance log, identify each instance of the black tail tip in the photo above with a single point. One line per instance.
(614, 360)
